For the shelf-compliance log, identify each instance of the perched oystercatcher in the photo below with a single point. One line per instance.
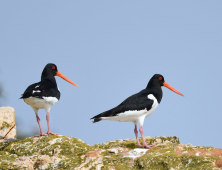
(44, 94)
(138, 106)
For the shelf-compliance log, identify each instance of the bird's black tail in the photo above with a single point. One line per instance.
(96, 119)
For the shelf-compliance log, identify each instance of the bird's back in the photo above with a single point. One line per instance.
(42, 89)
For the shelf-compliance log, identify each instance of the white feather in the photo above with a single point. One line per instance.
(45, 103)
(51, 100)
(35, 91)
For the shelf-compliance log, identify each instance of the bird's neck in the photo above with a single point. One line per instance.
(48, 76)
(156, 91)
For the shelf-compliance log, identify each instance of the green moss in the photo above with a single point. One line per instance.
(6, 160)
(169, 139)
(171, 160)
(196, 162)
(5, 165)
(188, 148)
(124, 144)
(132, 144)
(42, 146)
(172, 139)
(5, 125)
(209, 148)
(5, 142)
(70, 150)
(117, 161)
(73, 155)
(1, 145)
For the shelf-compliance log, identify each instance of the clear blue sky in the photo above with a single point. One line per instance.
(111, 49)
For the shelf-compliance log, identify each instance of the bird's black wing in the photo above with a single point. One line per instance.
(41, 89)
(138, 101)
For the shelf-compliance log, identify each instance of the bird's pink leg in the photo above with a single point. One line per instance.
(41, 133)
(49, 131)
(137, 138)
(144, 142)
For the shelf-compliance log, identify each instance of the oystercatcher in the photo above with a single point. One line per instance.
(138, 106)
(44, 94)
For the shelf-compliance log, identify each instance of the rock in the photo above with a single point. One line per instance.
(147, 137)
(63, 152)
(7, 123)
(48, 152)
(158, 140)
(135, 153)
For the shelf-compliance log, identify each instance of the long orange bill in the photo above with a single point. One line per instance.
(65, 78)
(171, 88)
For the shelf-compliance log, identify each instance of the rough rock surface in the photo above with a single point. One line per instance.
(7, 123)
(62, 152)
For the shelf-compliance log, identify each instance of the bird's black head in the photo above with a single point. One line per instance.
(50, 69)
(156, 80)
(49, 72)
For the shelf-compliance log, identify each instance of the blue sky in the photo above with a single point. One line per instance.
(111, 49)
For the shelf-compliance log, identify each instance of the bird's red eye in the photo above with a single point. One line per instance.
(160, 78)
(53, 67)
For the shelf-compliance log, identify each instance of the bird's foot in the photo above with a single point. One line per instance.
(148, 146)
(50, 133)
(41, 134)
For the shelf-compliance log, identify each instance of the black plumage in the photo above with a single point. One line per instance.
(47, 87)
(41, 89)
(44, 94)
(138, 106)
(138, 101)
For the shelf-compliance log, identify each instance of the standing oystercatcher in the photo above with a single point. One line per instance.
(138, 106)
(44, 94)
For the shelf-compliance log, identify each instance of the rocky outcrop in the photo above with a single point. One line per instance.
(62, 152)
(7, 123)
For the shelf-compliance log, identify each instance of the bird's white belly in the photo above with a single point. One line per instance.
(131, 116)
(128, 116)
(45, 103)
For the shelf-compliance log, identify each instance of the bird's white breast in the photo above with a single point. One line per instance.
(45, 103)
(154, 106)
(51, 100)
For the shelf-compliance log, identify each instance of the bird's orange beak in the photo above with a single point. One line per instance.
(171, 88)
(65, 78)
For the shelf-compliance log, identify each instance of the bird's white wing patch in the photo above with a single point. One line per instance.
(35, 91)
(58, 88)
(37, 86)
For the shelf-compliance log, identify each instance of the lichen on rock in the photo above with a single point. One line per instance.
(5, 125)
(55, 150)
(63, 152)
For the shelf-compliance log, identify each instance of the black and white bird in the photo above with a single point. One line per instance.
(44, 94)
(138, 106)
